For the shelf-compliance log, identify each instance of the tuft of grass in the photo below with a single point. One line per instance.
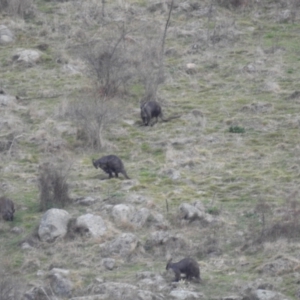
(213, 210)
(236, 129)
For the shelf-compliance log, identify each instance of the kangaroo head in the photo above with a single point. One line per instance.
(95, 164)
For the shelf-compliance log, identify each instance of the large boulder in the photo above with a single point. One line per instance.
(92, 224)
(54, 224)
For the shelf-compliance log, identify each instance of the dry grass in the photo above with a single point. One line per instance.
(20, 8)
(246, 77)
(53, 186)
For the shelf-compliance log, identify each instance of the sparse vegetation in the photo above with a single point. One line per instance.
(236, 129)
(9, 288)
(229, 69)
(21, 8)
(53, 186)
(93, 113)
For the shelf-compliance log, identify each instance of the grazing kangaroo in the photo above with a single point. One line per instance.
(7, 209)
(110, 164)
(149, 110)
(152, 109)
(187, 266)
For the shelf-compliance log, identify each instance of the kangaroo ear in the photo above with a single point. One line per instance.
(169, 261)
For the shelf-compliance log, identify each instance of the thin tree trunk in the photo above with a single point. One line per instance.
(100, 137)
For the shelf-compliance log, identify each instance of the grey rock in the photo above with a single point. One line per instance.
(190, 212)
(6, 35)
(28, 56)
(93, 224)
(6, 100)
(26, 246)
(185, 295)
(122, 213)
(87, 201)
(94, 297)
(267, 295)
(158, 238)
(158, 220)
(39, 293)
(232, 297)
(194, 211)
(61, 285)
(120, 291)
(108, 263)
(17, 230)
(53, 224)
(140, 217)
(147, 295)
(123, 245)
(62, 272)
(151, 281)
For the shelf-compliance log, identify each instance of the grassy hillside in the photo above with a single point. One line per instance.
(234, 148)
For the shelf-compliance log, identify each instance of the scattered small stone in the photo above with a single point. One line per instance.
(87, 201)
(26, 246)
(191, 68)
(108, 263)
(6, 36)
(17, 230)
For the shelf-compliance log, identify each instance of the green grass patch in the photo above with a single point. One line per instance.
(236, 129)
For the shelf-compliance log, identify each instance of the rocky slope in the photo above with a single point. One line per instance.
(218, 182)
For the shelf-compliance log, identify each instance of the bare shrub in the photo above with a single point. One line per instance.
(152, 69)
(149, 70)
(284, 224)
(92, 113)
(111, 61)
(53, 187)
(21, 8)
(117, 59)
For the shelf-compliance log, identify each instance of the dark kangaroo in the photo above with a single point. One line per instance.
(110, 164)
(152, 109)
(187, 266)
(149, 110)
(7, 209)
